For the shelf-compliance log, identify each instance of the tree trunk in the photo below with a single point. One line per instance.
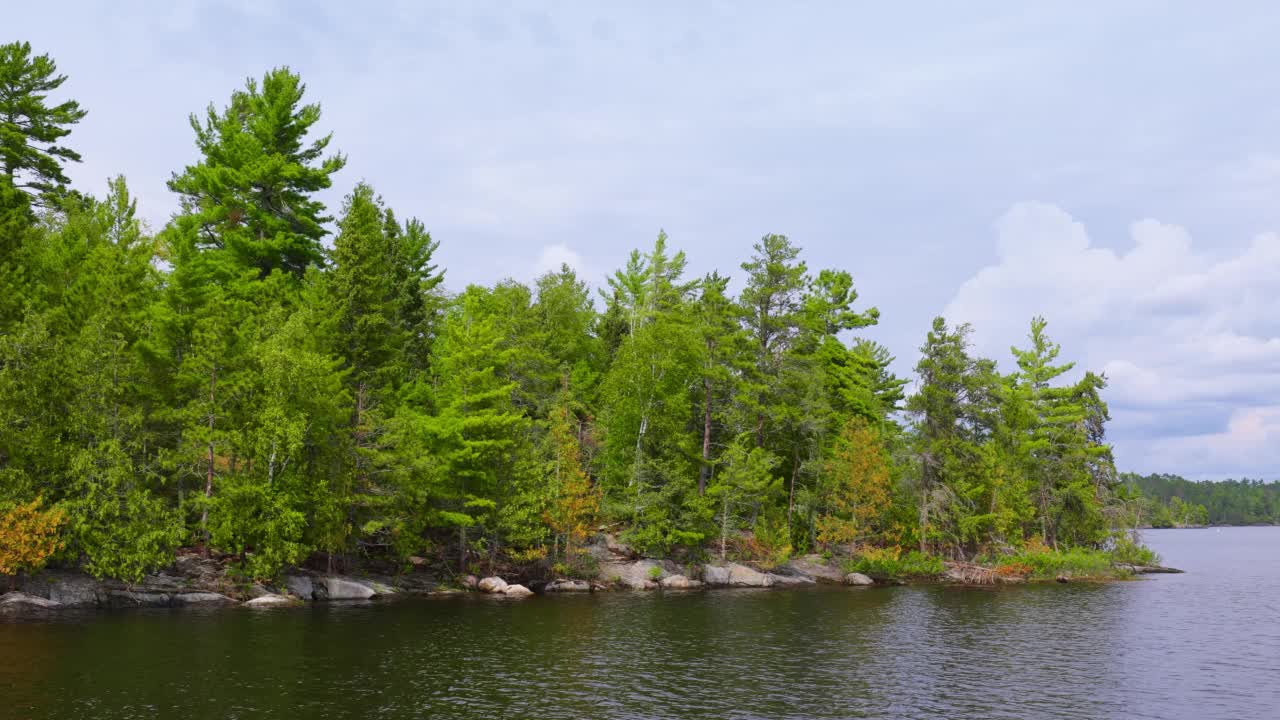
(791, 499)
(208, 478)
(704, 474)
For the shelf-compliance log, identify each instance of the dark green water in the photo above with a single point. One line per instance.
(1201, 645)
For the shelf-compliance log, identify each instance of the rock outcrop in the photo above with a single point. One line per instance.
(494, 585)
(16, 599)
(679, 582)
(855, 578)
(270, 601)
(337, 588)
(300, 585)
(567, 586)
(815, 567)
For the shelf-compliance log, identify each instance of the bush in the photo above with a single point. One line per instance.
(891, 564)
(1046, 564)
(28, 536)
(1128, 552)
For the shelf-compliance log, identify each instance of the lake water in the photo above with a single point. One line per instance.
(1201, 645)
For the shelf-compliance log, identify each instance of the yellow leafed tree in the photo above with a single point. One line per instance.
(857, 486)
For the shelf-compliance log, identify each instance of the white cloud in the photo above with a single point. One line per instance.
(553, 256)
(1186, 339)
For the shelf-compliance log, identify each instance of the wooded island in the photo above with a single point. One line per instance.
(274, 385)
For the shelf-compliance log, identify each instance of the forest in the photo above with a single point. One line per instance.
(1172, 500)
(278, 382)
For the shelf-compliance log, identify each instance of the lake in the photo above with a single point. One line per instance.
(1201, 645)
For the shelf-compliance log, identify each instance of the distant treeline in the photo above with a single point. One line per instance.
(1174, 500)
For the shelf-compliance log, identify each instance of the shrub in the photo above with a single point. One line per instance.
(655, 573)
(29, 536)
(1077, 562)
(1128, 552)
(891, 564)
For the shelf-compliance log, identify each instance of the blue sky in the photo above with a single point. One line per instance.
(1112, 166)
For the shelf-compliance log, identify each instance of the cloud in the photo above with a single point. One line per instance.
(1189, 340)
(553, 256)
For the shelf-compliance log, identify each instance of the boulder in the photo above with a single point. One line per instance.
(270, 601)
(17, 599)
(135, 598)
(816, 567)
(790, 580)
(715, 575)
(679, 582)
(638, 575)
(200, 598)
(336, 588)
(517, 591)
(418, 561)
(854, 578)
(743, 576)
(492, 585)
(618, 548)
(568, 586)
(300, 585)
(470, 582)
(74, 591)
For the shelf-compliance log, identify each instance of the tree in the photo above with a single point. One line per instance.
(745, 482)
(31, 157)
(724, 355)
(250, 196)
(772, 308)
(955, 411)
(857, 488)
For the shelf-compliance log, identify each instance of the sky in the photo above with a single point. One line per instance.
(1113, 167)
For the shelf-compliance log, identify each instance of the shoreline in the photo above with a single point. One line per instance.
(55, 590)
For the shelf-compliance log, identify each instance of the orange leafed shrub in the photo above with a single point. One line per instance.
(29, 536)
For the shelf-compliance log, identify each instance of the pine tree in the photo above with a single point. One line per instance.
(31, 157)
(251, 195)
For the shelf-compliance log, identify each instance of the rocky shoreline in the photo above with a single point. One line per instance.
(193, 583)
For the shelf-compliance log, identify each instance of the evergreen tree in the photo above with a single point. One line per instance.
(250, 197)
(31, 157)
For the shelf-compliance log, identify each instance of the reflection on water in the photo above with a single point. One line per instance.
(1201, 645)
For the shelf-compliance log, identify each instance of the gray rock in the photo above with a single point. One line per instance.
(492, 585)
(337, 588)
(790, 580)
(854, 578)
(568, 586)
(743, 576)
(135, 598)
(270, 601)
(638, 575)
(75, 591)
(814, 566)
(679, 582)
(200, 598)
(300, 585)
(715, 575)
(517, 591)
(17, 599)
(470, 582)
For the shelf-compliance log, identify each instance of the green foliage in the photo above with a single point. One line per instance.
(892, 564)
(1047, 564)
(1128, 552)
(31, 157)
(233, 384)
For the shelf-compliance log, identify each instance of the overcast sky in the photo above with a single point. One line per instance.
(1114, 167)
